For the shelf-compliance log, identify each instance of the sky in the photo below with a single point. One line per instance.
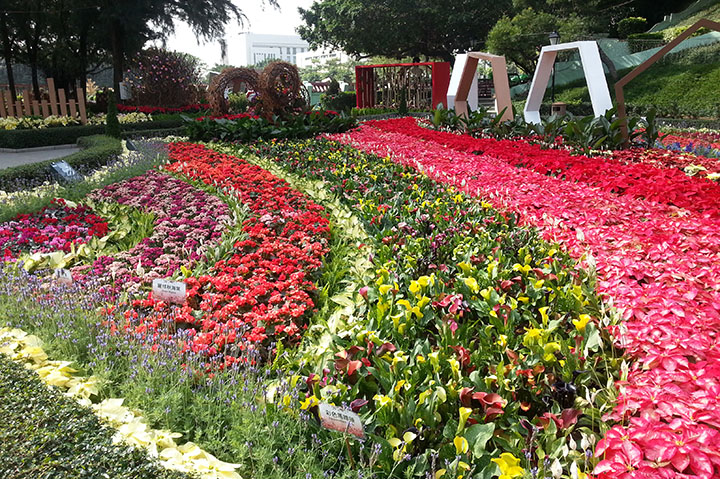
(261, 18)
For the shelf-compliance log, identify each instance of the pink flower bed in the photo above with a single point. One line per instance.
(639, 181)
(659, 264)
(54, 228)
(187, 219)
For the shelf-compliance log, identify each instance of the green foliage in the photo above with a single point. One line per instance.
(112, 125)
(519, 38)
(333, 68)
(584, 133)
(48, 435)
(429, 28)
(675, 89)
(628, 26)
(18, 139)
(238, 102)
(248, 129)
(341, 102)
(403, 106)
(98, 151)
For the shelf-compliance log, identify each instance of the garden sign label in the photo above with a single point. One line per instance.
(63, 276)
(170, 291)
(341, 420)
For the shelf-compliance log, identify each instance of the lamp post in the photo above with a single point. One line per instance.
(554, 39)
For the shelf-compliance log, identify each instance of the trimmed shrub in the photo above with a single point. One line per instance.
(250, 128)
(46, 434)
(341, 101)
(65, 135)
(631, 25)
(112, 125)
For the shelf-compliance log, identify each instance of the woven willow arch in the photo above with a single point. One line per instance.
(228, 77)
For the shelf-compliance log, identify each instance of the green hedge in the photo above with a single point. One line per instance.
(45, 434)
(65, 135)
(97, 151)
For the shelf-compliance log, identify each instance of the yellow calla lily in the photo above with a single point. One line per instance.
(461, 445)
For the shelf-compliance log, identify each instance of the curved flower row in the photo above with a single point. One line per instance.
(461, 337)
(131, 427)
(667, 186)
(54, 227)
(187, 221)
(261, 293)
(660, 265)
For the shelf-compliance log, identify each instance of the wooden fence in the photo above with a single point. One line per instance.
(59, 104)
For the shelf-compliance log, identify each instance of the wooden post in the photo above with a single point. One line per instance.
(619, 94)
(73, 110)
(27, 102)
(53, 96)
(9, 100)
(45, 108)
(63, 102)
(36, 108)
(81, 105)
(3, 113)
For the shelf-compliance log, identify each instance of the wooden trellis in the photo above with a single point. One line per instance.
(59, 104)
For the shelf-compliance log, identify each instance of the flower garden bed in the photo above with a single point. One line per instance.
(658, 263)
(527, 312)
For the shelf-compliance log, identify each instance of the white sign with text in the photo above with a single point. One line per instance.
(170, 291)
(342, 420)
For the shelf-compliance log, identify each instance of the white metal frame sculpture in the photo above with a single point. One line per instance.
(594, 76)
(463, 84)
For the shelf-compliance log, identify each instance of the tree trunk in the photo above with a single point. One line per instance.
(32, 56)
(83, 58)
(116, 37)
(7, 53)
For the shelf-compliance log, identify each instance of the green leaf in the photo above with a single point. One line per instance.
(478, 435)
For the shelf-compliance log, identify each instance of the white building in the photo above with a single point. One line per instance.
(320, 57)
(257, 47)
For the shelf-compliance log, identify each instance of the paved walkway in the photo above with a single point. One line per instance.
(27, 156)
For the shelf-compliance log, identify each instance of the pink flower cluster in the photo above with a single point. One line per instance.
(187, 220)
(53, 228)
(659, 263)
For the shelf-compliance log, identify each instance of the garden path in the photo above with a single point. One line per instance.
(9, 158)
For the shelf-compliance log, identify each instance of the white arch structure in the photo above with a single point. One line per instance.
(462, 92)
(594, 76)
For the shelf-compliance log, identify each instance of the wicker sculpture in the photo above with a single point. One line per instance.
(278, 88)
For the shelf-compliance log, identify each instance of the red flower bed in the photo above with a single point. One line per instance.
(261, 294)
(53, 228)
(149, 110)
(660, 266)
(639, 181)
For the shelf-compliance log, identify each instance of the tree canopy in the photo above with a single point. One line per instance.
(68, 38)
(520, 38)
(398, 28)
